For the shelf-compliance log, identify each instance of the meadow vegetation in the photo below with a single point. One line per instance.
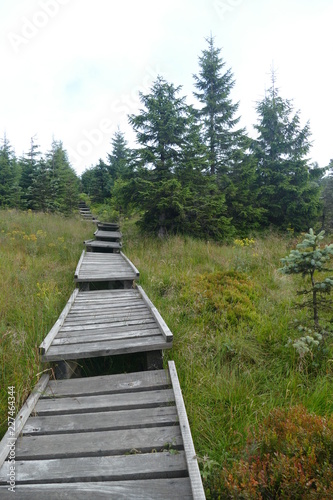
(235, 324)
(38, 257)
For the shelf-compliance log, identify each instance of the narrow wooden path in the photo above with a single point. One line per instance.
(96, 267)
(122, 436)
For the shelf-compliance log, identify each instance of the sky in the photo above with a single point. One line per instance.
(72, 70)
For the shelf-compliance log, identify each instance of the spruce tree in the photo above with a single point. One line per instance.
(160, 129)
(217, 113)
(119, 157)
(9, 176)
(63, 179)
(327, 199)
(29, 167)
(288, 189)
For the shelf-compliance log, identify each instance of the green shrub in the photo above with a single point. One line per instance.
(226, 298)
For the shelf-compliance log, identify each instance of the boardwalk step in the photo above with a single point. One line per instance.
(129, 441)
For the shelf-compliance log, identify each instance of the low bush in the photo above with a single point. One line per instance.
(289, 456)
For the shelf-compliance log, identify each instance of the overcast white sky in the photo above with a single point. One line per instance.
(72, 69)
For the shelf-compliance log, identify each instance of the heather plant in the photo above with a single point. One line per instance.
(289, 456)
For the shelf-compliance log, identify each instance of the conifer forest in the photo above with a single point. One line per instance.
(193, 170)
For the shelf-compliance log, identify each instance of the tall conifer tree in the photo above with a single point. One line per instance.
(9, 176)
(288, 188)
(217, 113)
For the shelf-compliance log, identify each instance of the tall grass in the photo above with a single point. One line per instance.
(230, 310)
(38, 257)
(232, 314)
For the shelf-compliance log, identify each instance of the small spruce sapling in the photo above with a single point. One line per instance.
(310, 259)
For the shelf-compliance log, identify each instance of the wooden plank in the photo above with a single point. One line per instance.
(147, 489)
(107, 295)
(105, 402)
(191, 459)
(102, 421)
(21, 418)
(94, 310)
(114, 468)
(103, 244)
(133, 320)
(131, 264)
(108, 384)
(95, 337)
(77, 270)
(109, 348)
(58, 324)
(110, 330)
(102, 234)
(109, 318)
(160, 321)
(98, 443)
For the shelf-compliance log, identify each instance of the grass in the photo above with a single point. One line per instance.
(230, 310)
(38, 257)
(234, 369)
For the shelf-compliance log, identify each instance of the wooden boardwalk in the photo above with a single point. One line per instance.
(122, 436)
(96, 267)
(106, 323)
(108, 235)
(85, 212)
(100, 245)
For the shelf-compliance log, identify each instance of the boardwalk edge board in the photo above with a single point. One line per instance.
(192, 463)
(167, 334)
(77, 270)
(58, 324)
(22, 417)
(131, 264)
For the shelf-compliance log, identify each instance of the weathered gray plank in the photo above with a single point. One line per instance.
(110, 330)
(98, 443)
(21, 418)
(123, 322)
(191, 459)
(114, 468)
(102, 234)
(79, 263)
(160, 321)
(117, 294)
(109, 348)
(102, 307)
(147, 489)
(130, 264)
(108, 384)
(106, 402)
(137, 313)
(102, 421)
(58, 324)
(106, 326)
(94, 337)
